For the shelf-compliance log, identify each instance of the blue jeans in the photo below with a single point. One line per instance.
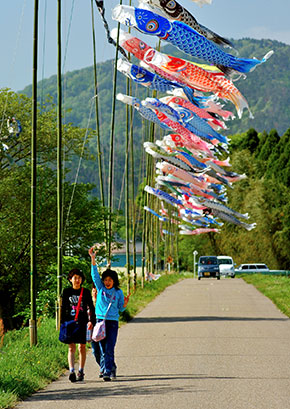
(96, 351)
(107, 347)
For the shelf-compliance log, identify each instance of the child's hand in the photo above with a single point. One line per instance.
(92, 251)
(126, 300)
(90, 325)
(95, 249)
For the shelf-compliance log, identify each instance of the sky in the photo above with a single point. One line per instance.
(259, 19)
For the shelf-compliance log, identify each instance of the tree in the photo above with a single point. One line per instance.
(251, 141)
(83, 214)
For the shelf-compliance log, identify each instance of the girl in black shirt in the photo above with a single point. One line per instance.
(86, 318)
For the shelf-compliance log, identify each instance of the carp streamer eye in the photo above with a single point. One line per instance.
(139, 75)
(142, 45)
(152, 25)
(171, 5)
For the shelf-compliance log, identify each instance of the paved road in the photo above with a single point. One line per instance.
(200, 345)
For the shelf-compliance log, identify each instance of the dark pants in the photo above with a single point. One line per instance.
(96, 351)
(107, 347)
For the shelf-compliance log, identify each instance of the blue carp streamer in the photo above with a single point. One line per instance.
(143, 111)
(184, 37)
(163, 196)
(163, 219)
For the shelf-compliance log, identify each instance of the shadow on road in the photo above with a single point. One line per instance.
(160, 385)
(141, 320)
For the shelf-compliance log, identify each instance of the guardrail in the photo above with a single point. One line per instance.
(270, 272)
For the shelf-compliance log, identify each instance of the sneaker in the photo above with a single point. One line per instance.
(114, 374)
(80, 376)
(106, 378)
(72, 377)
(101, 374)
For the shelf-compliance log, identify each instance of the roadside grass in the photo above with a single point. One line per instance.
(277, 288)
(25, 369)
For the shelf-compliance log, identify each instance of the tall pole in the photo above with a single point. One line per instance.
(32, 321)
(112, 147)
(59, 166)
(102, 196)
(133, 207)
(127, 194)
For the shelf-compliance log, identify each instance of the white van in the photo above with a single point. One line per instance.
(226, 265)
(253, 268)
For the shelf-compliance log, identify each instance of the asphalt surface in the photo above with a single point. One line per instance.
(200, 344)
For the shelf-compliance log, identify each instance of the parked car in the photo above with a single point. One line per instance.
(252, 268)
(208, 266)
(226, 265)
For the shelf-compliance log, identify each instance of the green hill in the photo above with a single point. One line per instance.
(265, 90)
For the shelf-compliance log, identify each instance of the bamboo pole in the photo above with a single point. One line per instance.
(145, 203)
(59, 166)
(112, 139)
(127, 193)
(143, 245)
(100, 168)
(32, 321)
(177, 247)
(133, 209)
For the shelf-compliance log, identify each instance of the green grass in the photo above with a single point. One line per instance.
(25, 369)
(277, 288)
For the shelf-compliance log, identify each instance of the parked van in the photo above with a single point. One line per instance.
(208, 266)
(253, 268)
(226, 265)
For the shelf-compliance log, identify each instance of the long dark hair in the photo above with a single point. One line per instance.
(114, 276)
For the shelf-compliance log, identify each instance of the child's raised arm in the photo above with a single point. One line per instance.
(94, 270)
(92, 253)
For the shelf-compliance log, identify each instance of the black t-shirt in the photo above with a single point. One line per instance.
(70, 298)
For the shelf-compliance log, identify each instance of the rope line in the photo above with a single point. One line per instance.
(101, 8)
(68, 35)
(79, 165)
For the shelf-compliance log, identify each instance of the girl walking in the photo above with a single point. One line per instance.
(108, 292)
(86, 318)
